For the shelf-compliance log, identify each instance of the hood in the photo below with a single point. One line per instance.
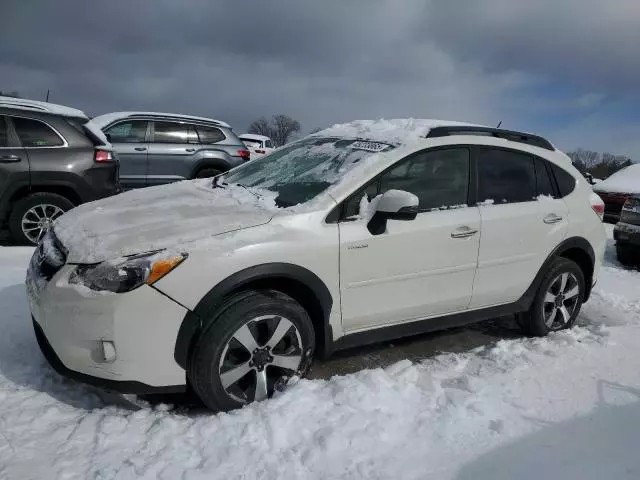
(160, 217)
(626, 180)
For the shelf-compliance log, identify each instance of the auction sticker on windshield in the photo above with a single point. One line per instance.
(369, 146)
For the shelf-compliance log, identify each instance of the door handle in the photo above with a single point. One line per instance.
(463, 232)
(140, 149)
(189, 149)
(9, 158)
(552, 218)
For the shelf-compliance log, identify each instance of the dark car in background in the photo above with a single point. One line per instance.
(52, 158)
(616, 189)
(159, 148)
(627, 232)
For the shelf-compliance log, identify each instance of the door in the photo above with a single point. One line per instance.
(171, 152)
(417, 268)
(130, 140)
(14, 163)
(522, 221)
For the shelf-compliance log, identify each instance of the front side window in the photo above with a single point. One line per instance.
(505, 176)
(303, 170)
(33, 133)
(133, 131)
(4, 133)
(439, 178)
(170, 132)
(209, 135)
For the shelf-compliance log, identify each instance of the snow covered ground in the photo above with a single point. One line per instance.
(563, 407)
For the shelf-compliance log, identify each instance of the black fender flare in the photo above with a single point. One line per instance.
(579, 243)
(194, 321)
(18, 181)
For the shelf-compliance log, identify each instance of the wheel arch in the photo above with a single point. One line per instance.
(299, 283)
(219, 162)
(577, 249)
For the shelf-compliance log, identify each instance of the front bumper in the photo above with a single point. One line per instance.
(73, 326)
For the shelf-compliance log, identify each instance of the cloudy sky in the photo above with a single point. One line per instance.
(568, 69)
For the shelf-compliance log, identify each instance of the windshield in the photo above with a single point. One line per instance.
(301, 171)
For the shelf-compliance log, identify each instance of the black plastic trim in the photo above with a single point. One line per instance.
(510, 135)
(126, 386)
(194, 320)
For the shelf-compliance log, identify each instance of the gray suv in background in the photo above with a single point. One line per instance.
(51, 159)
(158, 148)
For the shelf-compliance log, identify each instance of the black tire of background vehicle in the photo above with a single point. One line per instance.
(532, 321)
(23, 205)
(207, 173)
(204, 360)
(627, 256)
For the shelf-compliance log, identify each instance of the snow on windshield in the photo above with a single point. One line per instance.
(626, 180)
(303, 170)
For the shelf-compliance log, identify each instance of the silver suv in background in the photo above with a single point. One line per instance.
(158, 148)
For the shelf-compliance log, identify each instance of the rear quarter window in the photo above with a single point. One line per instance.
(565, 181)
(36, 134)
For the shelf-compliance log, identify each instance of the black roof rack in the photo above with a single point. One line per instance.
(177, 118)
(510, 135)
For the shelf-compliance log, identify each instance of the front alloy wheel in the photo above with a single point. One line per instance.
(561, 300)
(262, 352)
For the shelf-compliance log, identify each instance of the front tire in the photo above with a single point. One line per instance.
(558, 300)
(255, 342)
(32, 216)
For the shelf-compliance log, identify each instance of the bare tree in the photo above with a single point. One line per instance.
(280, 128)
(584, 159)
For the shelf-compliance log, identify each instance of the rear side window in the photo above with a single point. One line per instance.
(543, 180)
(566, 182)
(133, 131)
(209, 135)
(505, 176)
(4, 133)
(170, 132)
(34, 133)
(268, 144)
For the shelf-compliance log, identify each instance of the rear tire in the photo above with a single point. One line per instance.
(35, 213)
(253, 344)
(626, 255)
(208, 173)
(558, 300)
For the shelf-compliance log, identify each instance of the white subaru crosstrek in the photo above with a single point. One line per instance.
(360, 233)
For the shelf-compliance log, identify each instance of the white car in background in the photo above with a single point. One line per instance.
(360, 233)
(258, 145)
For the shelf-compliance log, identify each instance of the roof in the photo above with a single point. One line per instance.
(34, 105)
(107, 118)
(394, 131)
(253, 136)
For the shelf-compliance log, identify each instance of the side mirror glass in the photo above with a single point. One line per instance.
(393, 205)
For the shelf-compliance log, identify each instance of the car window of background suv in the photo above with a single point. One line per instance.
(439, 178)
(33, 133)
(170, 132)
(128, 132)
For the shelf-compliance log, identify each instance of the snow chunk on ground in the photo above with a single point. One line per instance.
(626, 180)
(395, 131)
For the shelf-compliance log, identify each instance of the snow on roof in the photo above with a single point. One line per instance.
(626, 180)
(107, 118)
(393, 131)
(253, 136)
(34, 105)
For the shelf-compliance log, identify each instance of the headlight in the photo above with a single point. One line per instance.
(126, 275)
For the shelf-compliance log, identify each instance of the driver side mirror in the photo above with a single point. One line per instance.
(393, 205)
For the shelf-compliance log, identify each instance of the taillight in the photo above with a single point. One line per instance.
(597, 205)
(244, 154)
(103, 156)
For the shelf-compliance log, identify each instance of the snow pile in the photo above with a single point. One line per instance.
(566, 406)
(395, 131)
(626, 180)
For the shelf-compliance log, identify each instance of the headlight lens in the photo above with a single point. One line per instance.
(126, 275)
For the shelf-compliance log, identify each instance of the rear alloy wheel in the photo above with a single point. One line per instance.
(253, 345)
(32, 216)
(558, 301)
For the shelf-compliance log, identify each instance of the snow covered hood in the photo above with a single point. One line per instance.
(626, 180)
(160, 217)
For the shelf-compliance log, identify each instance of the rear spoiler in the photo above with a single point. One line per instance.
(96, 135)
